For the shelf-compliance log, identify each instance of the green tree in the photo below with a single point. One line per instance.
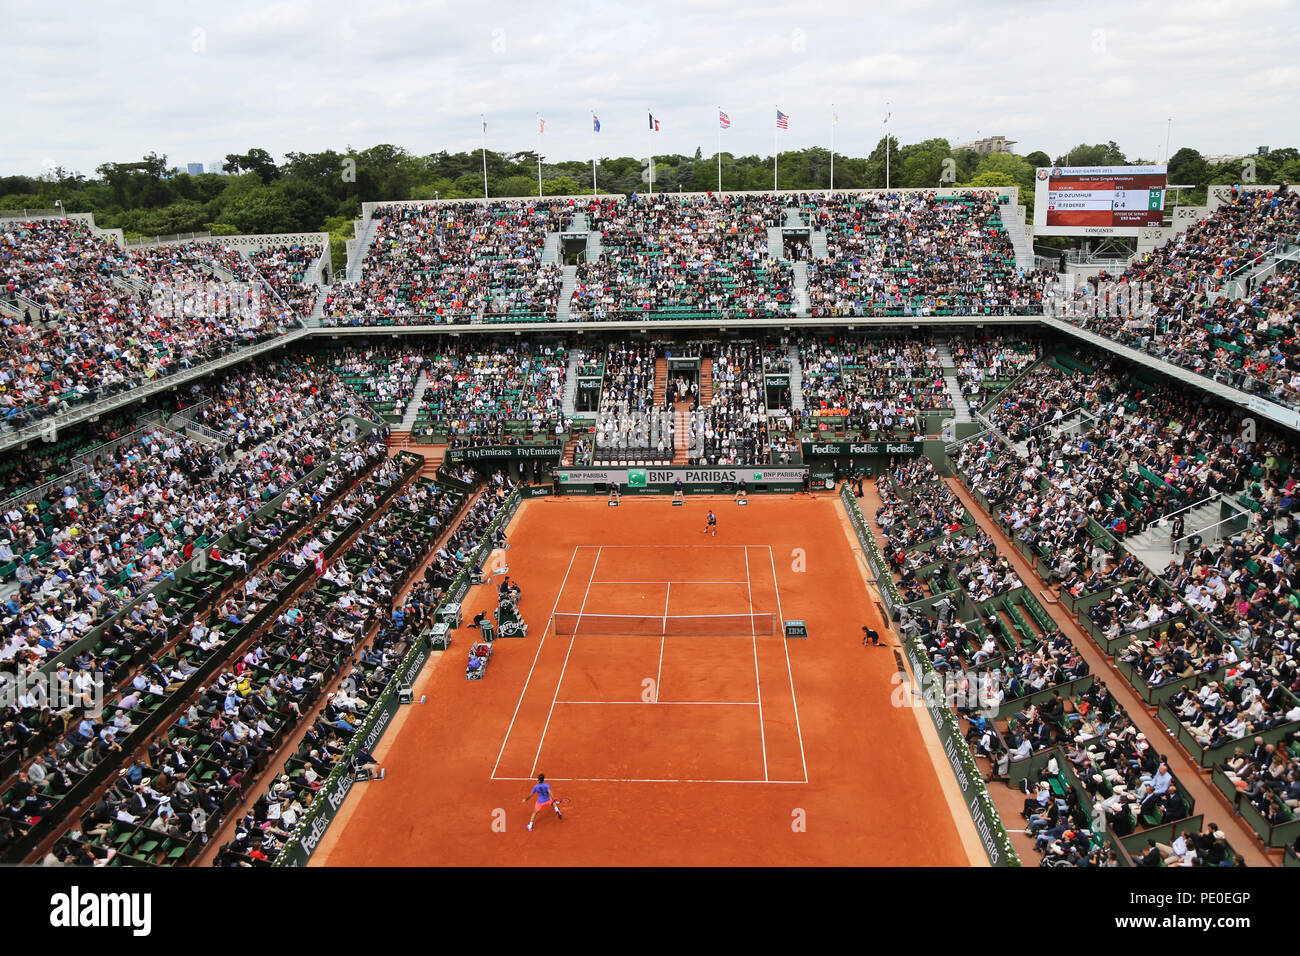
(256, 160)
(1098, 154)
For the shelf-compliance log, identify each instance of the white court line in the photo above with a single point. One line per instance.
(659, 547)
(667, 582)
(537, 756)
(681, 703)
(538, 654)
(780, 616)
(663, 638)
(651, 780)
(758, 684)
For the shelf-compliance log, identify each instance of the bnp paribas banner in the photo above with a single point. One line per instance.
(901, 448)
(696, 480)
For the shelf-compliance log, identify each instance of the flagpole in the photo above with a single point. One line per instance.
(650, 134)
(776, 150)
(593, 154)
(885, 126)
(539, 155)
(484, 119)
(719, 149)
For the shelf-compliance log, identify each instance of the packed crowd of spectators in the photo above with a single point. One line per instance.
(1182, 302)
(918, 254)
(732, 428)
(700, 254)
(95, 319)
(495, 395)
(877, 387)
(629, 422)
(284, 268)
(1220, 622)
(983, 360)
(385, 376)
(356, 615)
(452, 262)
(72, 746)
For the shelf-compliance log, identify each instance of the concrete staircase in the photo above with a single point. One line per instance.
(1154, 546)
(682, 434)
(706, 382)
(661, 381)
(413, 406)
(802, 305)
(566, 293)
(594, 246)
(775, 244)
(961, 410)
(318, 310)
(566, 457)
(363, 249)
(796, 380)
(551, 249)
(1019, 238)
(792, 218)
(568, 399)
(1236, 289)
(817, 243)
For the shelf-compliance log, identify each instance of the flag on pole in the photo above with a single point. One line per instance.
(724, 121)
(484, 119)
(595, 123)
(887, 115)
(541, 125)
(782, 120)
(654, 123)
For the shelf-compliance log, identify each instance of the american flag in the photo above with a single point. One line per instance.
(782, 120)
(724, 120)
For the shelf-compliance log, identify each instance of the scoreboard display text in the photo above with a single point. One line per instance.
(1099, 200)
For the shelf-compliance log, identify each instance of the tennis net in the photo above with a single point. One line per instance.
(760, 624)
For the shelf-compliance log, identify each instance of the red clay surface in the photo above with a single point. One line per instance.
(732, 749)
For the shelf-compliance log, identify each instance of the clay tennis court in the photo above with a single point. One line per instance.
(656, 690)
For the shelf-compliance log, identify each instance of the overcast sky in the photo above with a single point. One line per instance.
(98, 80)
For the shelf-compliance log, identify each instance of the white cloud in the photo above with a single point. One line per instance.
(101, 80)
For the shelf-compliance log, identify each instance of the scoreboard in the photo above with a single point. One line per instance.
(1098, 200)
